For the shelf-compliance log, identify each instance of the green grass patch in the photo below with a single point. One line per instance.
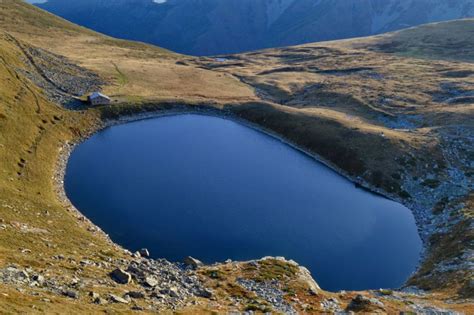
(121, 77)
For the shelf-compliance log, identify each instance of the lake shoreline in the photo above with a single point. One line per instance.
(67, 149)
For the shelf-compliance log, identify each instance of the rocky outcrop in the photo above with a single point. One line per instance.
(121, 276)
(61, 80)
(193, 262)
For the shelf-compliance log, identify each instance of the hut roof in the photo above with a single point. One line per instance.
(97, 95)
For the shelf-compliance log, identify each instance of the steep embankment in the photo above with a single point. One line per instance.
(399, 125)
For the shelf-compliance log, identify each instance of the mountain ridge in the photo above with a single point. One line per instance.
(210, 27)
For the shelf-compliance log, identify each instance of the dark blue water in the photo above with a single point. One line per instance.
(214, 189)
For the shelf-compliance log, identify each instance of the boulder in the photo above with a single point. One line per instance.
(203, 292)
(151, 281)
(312, 291)
(39, 279)
(172, 292)
(121, 276)
(100, 301)
(364, 304)
(118, 299)
(144, 252)
(23, 275)
(304, 276)
(136, 255)
(94, 295)
(193, 262)
(71, 294)
(136, 294)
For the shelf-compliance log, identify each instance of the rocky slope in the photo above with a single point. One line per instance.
(399, 125)
(208, 27)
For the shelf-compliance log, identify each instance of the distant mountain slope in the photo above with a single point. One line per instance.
(204, 27)
(445, 40)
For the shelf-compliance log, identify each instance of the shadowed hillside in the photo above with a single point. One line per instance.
(446, 40)
(210, 27)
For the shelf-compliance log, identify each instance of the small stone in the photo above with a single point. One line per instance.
(173, 292)
(39, 279)
(193, 262)
(23, 275)
(100, 301)
(151, 281)
(136, 255)
(144, 252)
(205, 293)
(253, 263)
(137, 308)
(364, 304)
(121, 276)
(118, 299)
(157, 295)
(136, 294)
(94, 295)
(71, 294)
(312, 292)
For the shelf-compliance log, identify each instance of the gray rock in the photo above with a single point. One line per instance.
(71, 294)
(269, 291)
(331, 305)
(39, 279)
(121, 276)
(100, 301)
(157, 295)
(151, 281)
(94, 295)
(305, 276)
(118, 299)
(173, 292)
(136, 294)
(205, 293)
(137, 308)
(362, 303)
(144, 252)
(193, 262)
(23, 275)
(312, 292)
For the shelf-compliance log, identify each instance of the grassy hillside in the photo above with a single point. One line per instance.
(398, 125)
(152, 72)
(35, 224)
(445, 40)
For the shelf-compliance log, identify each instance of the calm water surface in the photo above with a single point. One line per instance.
(214, 189)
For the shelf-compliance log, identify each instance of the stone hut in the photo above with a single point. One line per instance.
(98, 98)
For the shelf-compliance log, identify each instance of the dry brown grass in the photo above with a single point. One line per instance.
(151, 72)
